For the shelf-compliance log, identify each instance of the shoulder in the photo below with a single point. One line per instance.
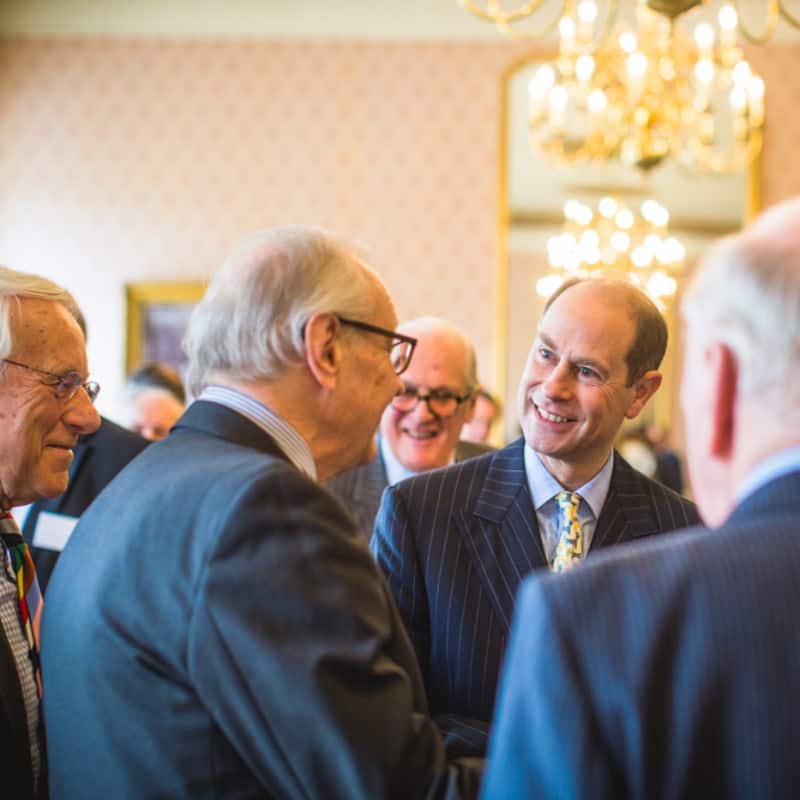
(465, 450)
(676, 510)
(115, 441)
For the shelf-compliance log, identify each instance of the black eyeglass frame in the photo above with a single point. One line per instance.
(426, 398)
(397, 338)
(65, 387)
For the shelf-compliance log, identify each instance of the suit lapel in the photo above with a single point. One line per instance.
(500, 531)
(627, 512)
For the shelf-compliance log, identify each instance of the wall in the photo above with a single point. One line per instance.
(129, 159)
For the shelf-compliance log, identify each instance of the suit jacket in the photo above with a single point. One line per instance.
(233, 638)
(682, 681)
(361, 488)
(17, 778)
(97, 459)
(455, 545)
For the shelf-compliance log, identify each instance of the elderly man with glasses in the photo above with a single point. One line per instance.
(235, 638)
(45, 404)
(456, 543)
(421, 427)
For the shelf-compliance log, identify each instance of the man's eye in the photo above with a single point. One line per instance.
(544, 353)
(587, 372)
(442, 395)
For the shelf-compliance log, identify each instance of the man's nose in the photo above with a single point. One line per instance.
(81, 414)
(558, 383)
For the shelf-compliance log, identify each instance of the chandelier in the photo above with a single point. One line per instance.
(549, 12)
(645, 89)
(613, 239)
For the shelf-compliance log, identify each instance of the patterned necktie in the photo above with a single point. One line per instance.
(569, 550)
(30, 598)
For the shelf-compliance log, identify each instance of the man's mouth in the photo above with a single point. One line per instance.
(546, 415)
(60, 446)
(421, 435)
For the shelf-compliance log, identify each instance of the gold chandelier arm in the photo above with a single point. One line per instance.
(546, 30)
(793, 21)
(774, 10)
(492, 12)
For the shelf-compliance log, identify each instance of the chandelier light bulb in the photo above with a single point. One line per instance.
(627, 42)
(607, 207)
(597, 101)
(548, 284)
(704, 36)
(587, 11)
(728, 18)
(636, 64)
(738, 99)
(742, 73)
(620, 241)
(584, 67)
(566, 27)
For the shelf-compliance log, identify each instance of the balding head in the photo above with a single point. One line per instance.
(425, 436)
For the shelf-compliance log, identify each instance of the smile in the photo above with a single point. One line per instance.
(421, 435)
(551, 417)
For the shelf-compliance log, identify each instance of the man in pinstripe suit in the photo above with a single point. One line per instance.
(456, 543)
(682, 680)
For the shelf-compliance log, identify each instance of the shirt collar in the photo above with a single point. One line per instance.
(395, 471)
(286, 437)
(771, 468)
(543, 486)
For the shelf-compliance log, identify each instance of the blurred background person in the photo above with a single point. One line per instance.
(668, 462)
(421, 427)
(488, 412)
(155, 399)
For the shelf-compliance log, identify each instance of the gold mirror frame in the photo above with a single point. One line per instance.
(140, 298)
(664, 399)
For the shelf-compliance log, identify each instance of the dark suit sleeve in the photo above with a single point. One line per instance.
(395, 549)
(545, 741)
(298, 651)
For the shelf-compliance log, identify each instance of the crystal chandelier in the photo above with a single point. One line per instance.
(614, 239)
(648, 92)
(508, 16)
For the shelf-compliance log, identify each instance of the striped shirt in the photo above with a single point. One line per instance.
(286, 437)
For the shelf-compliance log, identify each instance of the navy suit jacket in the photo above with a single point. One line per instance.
(666, 670)
(234, 638)
(361, 488)
(98, 457)
(455, 545)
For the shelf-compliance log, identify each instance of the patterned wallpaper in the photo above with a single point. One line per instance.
(142, 159)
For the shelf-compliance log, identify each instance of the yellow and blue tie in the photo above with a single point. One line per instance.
(570, 549)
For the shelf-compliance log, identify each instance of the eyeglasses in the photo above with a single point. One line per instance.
(440, 402)
(402, 345)
(66, 385)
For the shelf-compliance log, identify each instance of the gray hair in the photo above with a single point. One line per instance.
(747, 294)
(14, 286)
(251, 322)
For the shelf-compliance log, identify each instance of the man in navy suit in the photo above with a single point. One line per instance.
(234, 637)
(671, 669)
(456, 543)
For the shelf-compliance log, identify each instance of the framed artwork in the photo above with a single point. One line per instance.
(157, 316)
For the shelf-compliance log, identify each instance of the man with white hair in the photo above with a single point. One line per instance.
(683, 679)
(420, 429)
(45, 404)
(234, 636)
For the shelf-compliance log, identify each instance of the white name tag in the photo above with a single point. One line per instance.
(53, 530)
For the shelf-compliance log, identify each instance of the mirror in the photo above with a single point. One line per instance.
(532, 194)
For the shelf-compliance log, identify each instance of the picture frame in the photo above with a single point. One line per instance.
(157, 314)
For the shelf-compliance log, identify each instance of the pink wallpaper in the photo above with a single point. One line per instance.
(129, 160)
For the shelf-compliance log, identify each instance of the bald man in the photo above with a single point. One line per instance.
(420, 428)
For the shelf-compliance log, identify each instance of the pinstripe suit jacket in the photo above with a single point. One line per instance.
(456, 543)
(361, 488)
(682, 682)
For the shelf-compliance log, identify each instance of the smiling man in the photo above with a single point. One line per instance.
(45, 404)
(456, 544)
(420, 428)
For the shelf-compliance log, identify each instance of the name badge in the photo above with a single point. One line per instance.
(53, 530)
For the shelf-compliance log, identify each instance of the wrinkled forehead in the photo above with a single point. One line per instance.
(45, 327)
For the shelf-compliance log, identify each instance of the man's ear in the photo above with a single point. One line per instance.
(643, 390)
(722, 370)
(323, 349)
(469, 407)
